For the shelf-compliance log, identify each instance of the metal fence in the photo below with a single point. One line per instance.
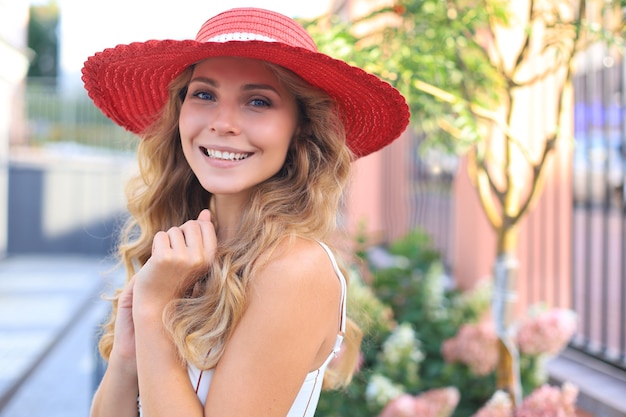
(417, 193)
(599, 212)
(598, 228)
(431, 201)
(56, 116)
(74, 173)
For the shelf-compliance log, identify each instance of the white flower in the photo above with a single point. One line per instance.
(401, 345)
(501, 399)
(380, 390)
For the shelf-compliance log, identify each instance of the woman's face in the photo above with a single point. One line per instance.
(236, 124)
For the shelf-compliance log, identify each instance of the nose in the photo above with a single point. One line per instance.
(225, 121)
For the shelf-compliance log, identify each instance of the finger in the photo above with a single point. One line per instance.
(125, 299)
(209, 238)
(160, 242)
(205, 215)
(192, 234)
(177, 238)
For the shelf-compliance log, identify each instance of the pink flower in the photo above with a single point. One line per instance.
(444, 399)
(439, 402)
(548, 332)
(449, 350)
(401, 406)
(499, 405)
(475, 345)
(549, 401)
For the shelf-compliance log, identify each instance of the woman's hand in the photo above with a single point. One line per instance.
(179, 257)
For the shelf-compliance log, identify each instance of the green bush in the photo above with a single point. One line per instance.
(406, 311)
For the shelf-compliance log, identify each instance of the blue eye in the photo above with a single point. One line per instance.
(258, 102)
(203, 95)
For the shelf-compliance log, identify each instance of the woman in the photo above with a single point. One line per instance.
(234, 304)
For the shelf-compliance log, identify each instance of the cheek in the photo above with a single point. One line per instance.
(283, 131)
(185, 128)
(185, 121)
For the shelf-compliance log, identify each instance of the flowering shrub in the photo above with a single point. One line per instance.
(405, 312)
(439, 402)
(500, 405)
(547, 332)
(381, 390)
(549, 401)
(429, 351)
(543, 334)
(476, 345)
(545, 401)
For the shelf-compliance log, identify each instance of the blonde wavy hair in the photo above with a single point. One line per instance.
(302, 199)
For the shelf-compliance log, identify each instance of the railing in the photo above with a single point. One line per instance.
(432, 200)
(598, 228)
(56, 116)
(428, 200)
(75, 175)
(599, 212)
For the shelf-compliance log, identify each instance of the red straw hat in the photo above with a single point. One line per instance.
(129, 82)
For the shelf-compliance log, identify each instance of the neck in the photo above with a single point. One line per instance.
(227, 212)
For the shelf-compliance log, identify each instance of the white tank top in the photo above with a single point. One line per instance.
(306, 401)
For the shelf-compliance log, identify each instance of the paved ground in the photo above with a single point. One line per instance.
(50, 308)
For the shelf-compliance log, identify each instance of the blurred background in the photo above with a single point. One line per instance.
(63, 167)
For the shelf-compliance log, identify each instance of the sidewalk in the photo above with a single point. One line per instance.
(50, 308)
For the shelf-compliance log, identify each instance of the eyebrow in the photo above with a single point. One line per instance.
(246, 87)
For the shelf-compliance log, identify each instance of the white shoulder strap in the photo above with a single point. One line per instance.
(342, 280)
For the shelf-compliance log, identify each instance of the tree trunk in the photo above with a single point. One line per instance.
(503, 303)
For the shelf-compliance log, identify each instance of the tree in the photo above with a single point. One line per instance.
(42, 38)
(463, 66)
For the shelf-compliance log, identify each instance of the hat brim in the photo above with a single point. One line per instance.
(129, 84)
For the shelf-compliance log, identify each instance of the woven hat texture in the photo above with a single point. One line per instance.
(129, 82)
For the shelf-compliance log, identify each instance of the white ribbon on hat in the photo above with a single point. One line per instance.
(240, 36)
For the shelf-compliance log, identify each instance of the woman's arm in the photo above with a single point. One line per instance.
(164, 385)
(178, 256)
(117, 394)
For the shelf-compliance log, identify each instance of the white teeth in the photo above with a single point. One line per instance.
(229, 156)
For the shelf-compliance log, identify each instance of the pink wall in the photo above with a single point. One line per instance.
(364, 195)
(474, 240)
(377, 197)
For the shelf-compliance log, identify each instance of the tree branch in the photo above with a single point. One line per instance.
(526, 45)
(483, 187)
(537, 179)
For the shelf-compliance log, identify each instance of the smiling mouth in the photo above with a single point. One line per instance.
(225, 156)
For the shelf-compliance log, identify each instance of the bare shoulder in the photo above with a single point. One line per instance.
(298, 265)
(288, 329)
(299, 291)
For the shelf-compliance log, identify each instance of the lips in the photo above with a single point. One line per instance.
(224, 155)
